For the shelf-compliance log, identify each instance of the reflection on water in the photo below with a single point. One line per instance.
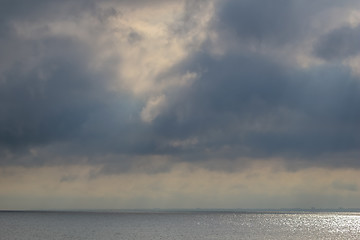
(200, 225)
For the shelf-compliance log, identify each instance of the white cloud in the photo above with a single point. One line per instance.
(159, 48)
(153, 108)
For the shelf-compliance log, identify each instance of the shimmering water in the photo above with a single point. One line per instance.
(198, 225)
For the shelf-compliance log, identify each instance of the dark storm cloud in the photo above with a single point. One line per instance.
(260, 108)
(276, 23)
(248, 104)
(67, 9)
(260, 21)
(339, 44)
(51, 101)
(241, 105)
(227, 86)
(42, 9)
(48, 91)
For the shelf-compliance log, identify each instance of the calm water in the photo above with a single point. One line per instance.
(201, 225)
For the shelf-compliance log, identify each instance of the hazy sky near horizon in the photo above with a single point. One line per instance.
(179, 104)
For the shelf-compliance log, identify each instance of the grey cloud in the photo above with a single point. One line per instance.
(51, 101)
(42, 9)
(48, 91)
(276, 22)
(134, 37)
(38, 10)
(339, 44)
(258, 108)
(242, 105)
(345, 186)
(108, 13)
(189, 19)
(68, 178)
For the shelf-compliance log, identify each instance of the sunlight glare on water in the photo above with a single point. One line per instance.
(180, 225)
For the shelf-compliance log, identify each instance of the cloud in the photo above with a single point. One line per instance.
(260, 21)
(153, 108)
(129, 104)
(345, 186)
(339, 44)
(71, 88)
(51, 101)
(183, 186)
(109, 82)
(255, 106)
(279, 23)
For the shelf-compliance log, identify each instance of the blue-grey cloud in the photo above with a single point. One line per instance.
(275, 23)
(242, 104)
(52, 100)
(261, 108)
(339, 44)
(260, 21)
(345, 186)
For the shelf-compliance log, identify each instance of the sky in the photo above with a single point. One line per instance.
(179, 104)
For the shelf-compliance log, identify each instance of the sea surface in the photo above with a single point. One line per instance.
(178, 225)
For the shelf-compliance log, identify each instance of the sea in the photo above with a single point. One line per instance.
(176, 225)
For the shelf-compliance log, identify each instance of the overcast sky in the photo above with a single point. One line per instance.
(179, 104)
